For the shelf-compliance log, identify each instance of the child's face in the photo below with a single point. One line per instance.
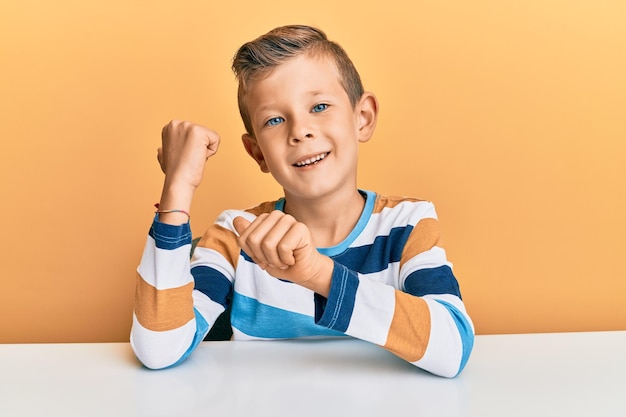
(306, 130)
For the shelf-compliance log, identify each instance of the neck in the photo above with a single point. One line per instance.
(329, 219)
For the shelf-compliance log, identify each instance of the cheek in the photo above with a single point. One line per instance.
(271, 158)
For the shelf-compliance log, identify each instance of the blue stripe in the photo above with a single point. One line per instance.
(340, 303)
(376, 257)
(212, 283)
(261, 320)
(280, 204)
(465, 331)
(202, 328)
(246, 257)
(439, 280)
(169, 237)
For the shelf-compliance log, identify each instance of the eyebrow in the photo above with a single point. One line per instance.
(268, 106)
(262, 108)
(318, 93)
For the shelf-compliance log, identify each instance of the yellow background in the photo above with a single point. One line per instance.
(509, 115)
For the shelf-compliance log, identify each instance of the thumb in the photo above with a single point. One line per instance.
(240, 224)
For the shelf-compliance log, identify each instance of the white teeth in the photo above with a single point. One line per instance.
(312, 160)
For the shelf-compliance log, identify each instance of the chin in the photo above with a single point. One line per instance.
(312, 192)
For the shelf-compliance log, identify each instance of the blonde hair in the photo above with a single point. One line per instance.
(256, 58)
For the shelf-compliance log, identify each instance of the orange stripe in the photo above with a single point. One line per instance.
(161, 310)
(410, 328)
(266, 207)
(425, 236)
(223, 241)
(390, 202)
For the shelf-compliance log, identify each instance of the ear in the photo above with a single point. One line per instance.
(367, 109)
(253, 149)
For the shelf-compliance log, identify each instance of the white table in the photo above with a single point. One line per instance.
(564, 374)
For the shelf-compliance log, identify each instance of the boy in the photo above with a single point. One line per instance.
(327, 259)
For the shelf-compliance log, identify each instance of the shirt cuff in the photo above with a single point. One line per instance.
(167, 236)
(335, 311)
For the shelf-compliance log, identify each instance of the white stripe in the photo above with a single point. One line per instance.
(373, 312)
(160, 349)
(389, 276)
(253, 282)
(450, 299)
(444, 351)
(165, 269)
(225, 219)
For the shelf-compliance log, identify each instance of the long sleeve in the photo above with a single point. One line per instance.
(404, 298)
(166, 325)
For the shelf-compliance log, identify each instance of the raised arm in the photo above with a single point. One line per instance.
(166, 326)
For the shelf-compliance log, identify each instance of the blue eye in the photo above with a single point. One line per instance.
(274, 121)
(319, 107)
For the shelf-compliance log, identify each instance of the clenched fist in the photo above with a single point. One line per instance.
(282, 246)
(183, 154)
(185, 149)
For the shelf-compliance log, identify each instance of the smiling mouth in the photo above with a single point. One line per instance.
(311, 161)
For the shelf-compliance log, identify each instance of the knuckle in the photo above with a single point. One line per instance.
(267, 245)
(197, 130)
(253, 241)
(283, 248)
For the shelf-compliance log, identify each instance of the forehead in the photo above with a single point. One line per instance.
(302, 74)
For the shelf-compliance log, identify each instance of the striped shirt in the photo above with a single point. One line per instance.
(392, 285)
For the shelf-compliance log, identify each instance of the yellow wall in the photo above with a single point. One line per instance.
(510, 116)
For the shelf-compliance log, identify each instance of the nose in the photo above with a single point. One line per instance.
(300, 131)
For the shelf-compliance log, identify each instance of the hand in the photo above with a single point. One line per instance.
(185, 149)
(283, 247)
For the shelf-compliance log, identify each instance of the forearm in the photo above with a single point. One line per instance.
(432, 332)
(166, 325)
(421, 330)
(164, 319)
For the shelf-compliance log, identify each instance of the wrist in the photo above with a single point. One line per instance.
(175, 203)
(320, 281)
(172, 216)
